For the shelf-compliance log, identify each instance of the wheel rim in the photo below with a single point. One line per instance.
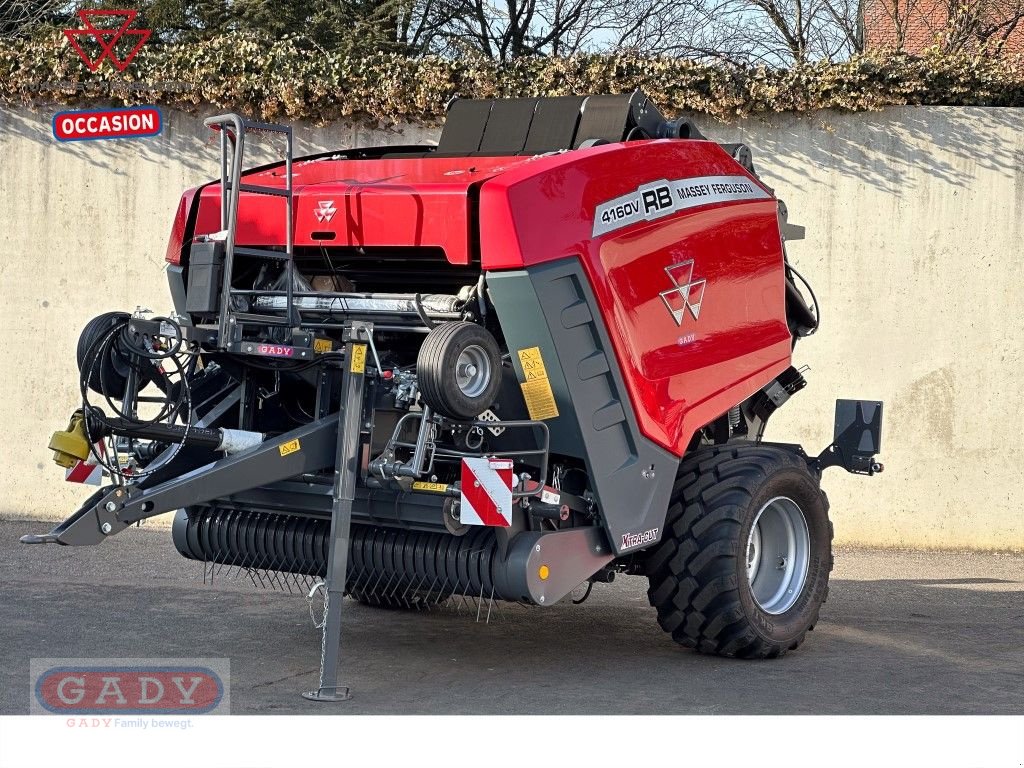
(473, 371)
(778, 552)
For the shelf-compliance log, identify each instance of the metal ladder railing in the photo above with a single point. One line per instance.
(232, 129)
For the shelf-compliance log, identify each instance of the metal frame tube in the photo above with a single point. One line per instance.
(345, 476)
(232, 135)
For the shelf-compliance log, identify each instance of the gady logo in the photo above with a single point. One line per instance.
(130, 686)
(107, 36)
(688, 294)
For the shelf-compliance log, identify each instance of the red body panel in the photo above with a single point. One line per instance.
(681, 372)
(177, 238)
(680, 377)
(390, 203)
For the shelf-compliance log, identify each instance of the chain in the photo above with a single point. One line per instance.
(321, 623)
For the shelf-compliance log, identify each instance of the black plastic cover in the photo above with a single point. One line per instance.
(206, 263)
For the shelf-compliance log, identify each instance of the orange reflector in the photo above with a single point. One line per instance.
(543, 572)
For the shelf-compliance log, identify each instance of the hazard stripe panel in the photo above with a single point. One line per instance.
(486, 492)
(85, 471)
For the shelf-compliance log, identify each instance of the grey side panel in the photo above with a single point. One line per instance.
(632, 476)
(176, 284)
(524, 325)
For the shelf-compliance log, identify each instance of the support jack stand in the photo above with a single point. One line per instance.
(345, 475)
(337, 693)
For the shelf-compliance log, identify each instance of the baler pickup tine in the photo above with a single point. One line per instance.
(490, 604)
(250, 572)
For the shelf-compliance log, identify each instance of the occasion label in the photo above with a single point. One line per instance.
(90, 124)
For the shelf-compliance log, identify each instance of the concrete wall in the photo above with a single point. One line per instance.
(914, 216)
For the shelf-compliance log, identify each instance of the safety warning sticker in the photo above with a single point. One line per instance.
(660, 198)
(430, 487)
(540, 400)
(292, 446)
(358, 358)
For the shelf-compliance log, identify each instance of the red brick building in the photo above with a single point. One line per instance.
(913, 25)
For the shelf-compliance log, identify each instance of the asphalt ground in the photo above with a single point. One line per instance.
(902, 633)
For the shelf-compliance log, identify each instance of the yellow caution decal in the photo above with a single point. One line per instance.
(292, 446)
(430, 487)
(540, 400)
(358, 358)
(322, 346)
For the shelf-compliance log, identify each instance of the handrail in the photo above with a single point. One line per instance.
(232, 128)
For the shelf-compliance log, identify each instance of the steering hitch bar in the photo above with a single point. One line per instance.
(309, 448)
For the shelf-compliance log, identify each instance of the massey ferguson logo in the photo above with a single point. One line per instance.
(688, 293)
(664, 197)
(108, 37)
(630, 540)
(324, 210)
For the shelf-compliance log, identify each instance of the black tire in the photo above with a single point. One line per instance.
(698, 571)
(436, 369)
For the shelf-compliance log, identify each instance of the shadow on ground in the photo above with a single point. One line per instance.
(901, 634)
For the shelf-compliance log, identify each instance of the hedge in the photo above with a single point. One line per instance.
(286, 78)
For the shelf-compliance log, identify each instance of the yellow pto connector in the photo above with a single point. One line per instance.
(71, 445)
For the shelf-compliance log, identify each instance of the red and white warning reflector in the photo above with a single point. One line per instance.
(85, 471)
(486, 492)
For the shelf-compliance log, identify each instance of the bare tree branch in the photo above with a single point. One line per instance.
(20, 16)
(952, 25)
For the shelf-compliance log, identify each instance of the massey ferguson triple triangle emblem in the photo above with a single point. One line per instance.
(688, 293)
(324, 210)
(107, 37)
